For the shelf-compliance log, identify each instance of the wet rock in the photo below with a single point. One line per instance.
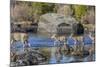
(29, 58)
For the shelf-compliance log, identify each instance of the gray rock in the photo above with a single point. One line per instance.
(49, 23)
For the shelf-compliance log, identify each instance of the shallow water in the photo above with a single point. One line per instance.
(67, 59)
(47, 43)
(63, 58)
(60, 58)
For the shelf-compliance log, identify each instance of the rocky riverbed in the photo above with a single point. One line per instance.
(36, 56)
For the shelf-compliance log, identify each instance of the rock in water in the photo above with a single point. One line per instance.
(51, 23)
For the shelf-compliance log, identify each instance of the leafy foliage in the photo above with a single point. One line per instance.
(79, 11)
(31, 11)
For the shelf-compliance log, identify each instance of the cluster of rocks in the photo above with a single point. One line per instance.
(33, 57)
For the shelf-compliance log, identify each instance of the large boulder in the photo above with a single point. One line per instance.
(51, 23)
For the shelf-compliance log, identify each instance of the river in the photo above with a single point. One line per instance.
(41, 42)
